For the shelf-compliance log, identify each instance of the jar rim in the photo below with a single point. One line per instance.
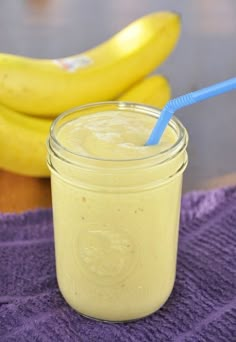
(175, 124)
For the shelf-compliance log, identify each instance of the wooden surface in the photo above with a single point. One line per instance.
(19, 193)
(205, 54)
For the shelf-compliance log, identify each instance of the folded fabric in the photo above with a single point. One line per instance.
(202, 306)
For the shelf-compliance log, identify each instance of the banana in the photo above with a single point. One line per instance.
(154, 91)
(23, 143)
(46, 87)
(23, 137)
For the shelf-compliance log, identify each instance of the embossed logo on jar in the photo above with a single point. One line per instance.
(106, 255)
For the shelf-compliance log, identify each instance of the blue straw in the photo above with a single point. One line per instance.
(187, 100)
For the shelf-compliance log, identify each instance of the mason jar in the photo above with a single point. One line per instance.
(116, 222)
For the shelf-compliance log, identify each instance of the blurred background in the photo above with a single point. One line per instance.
(206, 54)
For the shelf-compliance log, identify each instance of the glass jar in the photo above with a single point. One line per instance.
(116, 222)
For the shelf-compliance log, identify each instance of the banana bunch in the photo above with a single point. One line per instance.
(34, 91)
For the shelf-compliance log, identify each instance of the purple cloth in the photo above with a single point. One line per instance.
(202, 306)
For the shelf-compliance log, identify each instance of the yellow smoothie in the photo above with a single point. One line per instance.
(116, 207)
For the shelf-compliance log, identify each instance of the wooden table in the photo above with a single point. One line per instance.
(20, 193)
(205, 54)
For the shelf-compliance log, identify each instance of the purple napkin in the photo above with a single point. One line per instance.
(202, 306)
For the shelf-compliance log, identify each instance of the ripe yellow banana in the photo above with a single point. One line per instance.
(154, 91)
(23, 137)
(23, 143)
(48, 87)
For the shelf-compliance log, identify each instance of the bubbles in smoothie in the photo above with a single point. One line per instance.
(113, 135)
